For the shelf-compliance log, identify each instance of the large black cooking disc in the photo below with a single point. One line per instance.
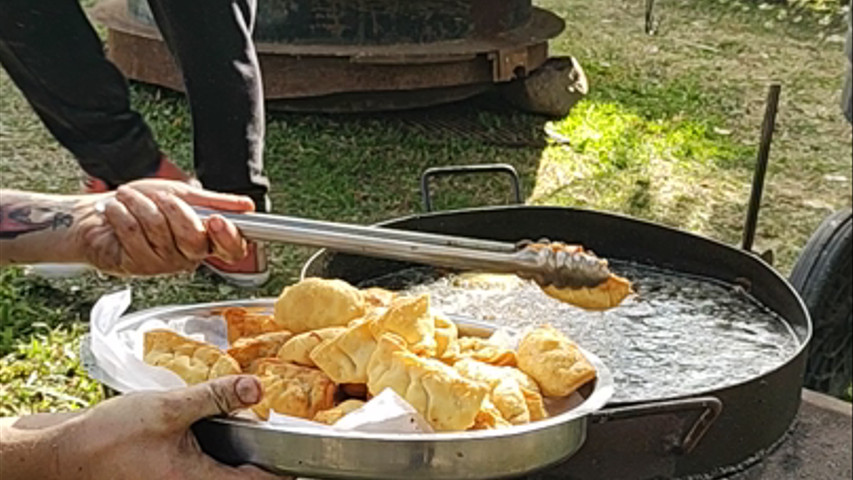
(651, 439)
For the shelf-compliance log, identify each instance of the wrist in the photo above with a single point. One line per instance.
(86, 220)
(27, 442)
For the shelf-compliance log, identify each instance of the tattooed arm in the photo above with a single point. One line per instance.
(36, 228)
(145, 228)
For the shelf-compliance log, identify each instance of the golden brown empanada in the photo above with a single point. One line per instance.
(487, 352)
(489, 417)
(331, 416)
(247, 322)
(410, 318)
(378, 297)
(513, 393)
(316, 303)
(446, 338)
(604, 296)
(193, 361)
(556, 363)
(247, 350)
(293, 390)
(535, 404)
(345, 357)
(608, 295)
(509, 400)
(447, 400)
(298, 349)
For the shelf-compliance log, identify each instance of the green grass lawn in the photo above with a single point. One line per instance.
(668, 133)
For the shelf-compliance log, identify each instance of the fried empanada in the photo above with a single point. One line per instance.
(447, 400)
(514, 394)
(247, 350)
(378, 297)
(605, 296)
(316, 303)
(487, 352)
(410, 318)
(535, 404)
(489, 417)
(245, 323)
(193, 361)
(509, 400)
(331, 416)
(446, 338)
(556, 363)
(293, 390)
(345, 357)
(298, 349)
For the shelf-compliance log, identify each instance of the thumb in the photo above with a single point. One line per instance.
(216, 397)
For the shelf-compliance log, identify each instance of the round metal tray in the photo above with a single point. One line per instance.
(307, 452)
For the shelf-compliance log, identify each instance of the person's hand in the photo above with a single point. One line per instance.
(148, 228)
(147, 436)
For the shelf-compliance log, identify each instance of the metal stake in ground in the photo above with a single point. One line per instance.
(767, 130)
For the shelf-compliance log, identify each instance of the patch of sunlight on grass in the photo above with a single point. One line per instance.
(667, 169)
(44, 373)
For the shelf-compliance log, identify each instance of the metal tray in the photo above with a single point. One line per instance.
(465, 455)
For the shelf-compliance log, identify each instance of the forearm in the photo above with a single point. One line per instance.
(40, 446)
(37, 228)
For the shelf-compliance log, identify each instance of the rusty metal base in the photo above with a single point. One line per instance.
(379, 101)
(434, 73)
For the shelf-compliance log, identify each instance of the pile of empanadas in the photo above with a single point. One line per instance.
(329, 347)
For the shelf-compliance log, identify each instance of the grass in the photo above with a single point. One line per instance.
(668, 133)
(652, 158)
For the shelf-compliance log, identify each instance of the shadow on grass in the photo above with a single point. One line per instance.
(366, 167)
(28, 303)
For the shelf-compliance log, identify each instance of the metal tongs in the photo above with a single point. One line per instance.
(546, 263)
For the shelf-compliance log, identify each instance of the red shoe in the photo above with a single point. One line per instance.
(90, 184)
(251, 271)
(167, 171)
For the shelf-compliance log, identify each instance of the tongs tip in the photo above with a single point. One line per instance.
(563, 265)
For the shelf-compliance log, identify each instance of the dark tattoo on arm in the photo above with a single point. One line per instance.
(22, 217)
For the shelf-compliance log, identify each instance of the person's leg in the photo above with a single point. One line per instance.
(211, 41)
(53, 55)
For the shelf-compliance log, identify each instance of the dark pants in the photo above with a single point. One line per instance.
(55, 57)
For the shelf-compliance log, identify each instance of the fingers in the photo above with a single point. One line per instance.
(216, 397)
(154, 225)
(219, 201)
(188, 231)
(195, 196)
(228, 243)
(138, 256)
(215, 200)
(158, 212)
